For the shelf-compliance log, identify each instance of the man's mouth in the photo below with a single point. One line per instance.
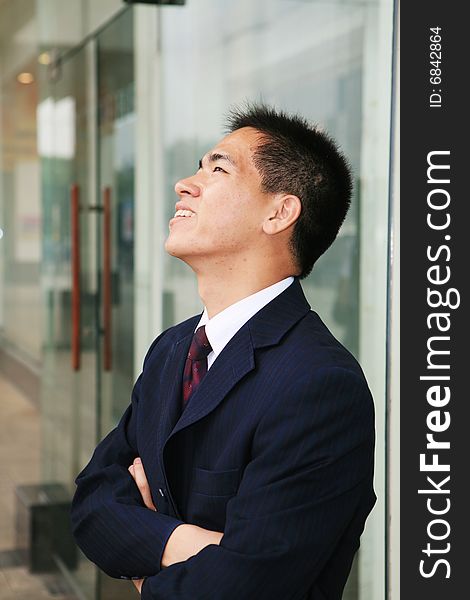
(184, 213)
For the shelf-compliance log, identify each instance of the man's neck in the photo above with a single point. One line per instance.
(218, 293)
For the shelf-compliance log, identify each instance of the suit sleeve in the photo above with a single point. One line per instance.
(312, 460)
(110, 523)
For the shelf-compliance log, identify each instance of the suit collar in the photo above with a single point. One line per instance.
(265, 328)
(269, 325)
(225, 324)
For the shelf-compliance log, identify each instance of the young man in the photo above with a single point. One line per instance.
(243, 467)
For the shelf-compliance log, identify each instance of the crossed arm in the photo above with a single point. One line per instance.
(185, 541)
(308, 480)
(114, 518)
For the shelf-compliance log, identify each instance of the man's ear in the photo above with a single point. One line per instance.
(285, 212)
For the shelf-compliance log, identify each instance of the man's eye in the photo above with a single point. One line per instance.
(218, 169)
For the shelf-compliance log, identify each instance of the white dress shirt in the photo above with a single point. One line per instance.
(225, 324)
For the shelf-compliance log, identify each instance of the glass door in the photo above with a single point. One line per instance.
(86, 121)
(69, 395)
(116, 166)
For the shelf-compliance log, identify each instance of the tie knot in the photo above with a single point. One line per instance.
(200, 346)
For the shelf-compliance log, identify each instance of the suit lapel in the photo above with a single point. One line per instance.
(233, 363)
(171, 388)
(265, 328)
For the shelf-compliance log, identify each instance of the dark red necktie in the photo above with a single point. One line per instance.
(196, 363)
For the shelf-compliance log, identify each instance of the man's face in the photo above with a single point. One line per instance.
(223, 204)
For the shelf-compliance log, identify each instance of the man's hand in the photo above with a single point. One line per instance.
(138, 584)
(186, 541)
(138, 474)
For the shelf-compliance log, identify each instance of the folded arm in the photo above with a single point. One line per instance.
(310, 472)
(116, 527)
(185, 541)
(110, 522)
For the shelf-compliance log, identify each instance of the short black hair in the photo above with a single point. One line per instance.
(295, 157)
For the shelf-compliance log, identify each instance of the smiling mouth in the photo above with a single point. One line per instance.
(184, 213)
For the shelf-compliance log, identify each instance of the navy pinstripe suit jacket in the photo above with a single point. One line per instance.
(275, 449)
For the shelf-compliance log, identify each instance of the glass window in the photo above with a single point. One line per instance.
(20, 205)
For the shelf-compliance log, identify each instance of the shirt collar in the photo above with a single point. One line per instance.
(224, 325)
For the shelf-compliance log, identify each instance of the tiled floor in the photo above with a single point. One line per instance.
(19, 464)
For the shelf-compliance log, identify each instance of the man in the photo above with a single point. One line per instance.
(243, 467)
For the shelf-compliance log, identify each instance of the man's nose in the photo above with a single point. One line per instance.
(187, 186)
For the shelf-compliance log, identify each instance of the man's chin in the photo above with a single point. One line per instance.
(177, 250)
(173, 249)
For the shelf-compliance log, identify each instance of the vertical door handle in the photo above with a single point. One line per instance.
(75, 258)
(107, 350)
